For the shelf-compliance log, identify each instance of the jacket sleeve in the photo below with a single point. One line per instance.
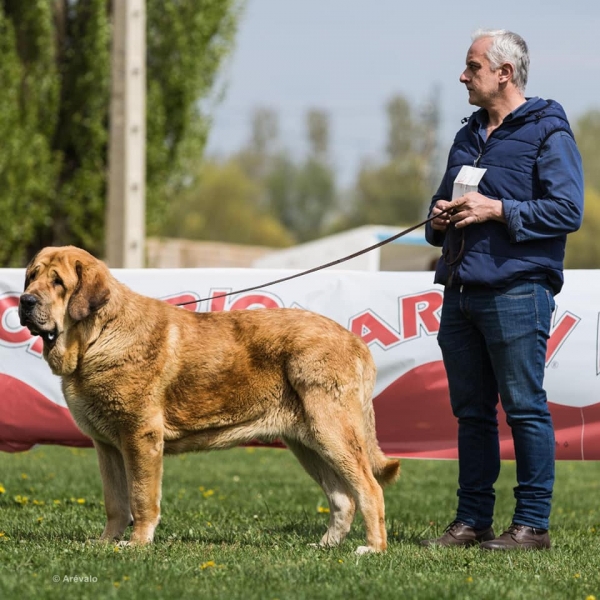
(560, 211)
(433, 236)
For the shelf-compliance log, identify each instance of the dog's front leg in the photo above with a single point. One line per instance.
(143, 456)
(116, 494)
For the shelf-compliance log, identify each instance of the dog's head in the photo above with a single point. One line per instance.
(63, 286)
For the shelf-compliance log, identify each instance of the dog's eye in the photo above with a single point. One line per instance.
(30, 277)
(58, 282)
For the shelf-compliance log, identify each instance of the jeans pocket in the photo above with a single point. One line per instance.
(519, 289)
(551, 301)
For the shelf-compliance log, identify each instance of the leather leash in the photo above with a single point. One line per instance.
(325, 266)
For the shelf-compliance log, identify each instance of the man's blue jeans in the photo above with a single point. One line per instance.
(494, 342)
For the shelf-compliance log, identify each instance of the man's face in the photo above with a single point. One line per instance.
(481, 82)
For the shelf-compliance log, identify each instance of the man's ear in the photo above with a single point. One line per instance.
(91, 292)
(506, 72)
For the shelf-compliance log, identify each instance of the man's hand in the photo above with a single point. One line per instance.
(440, 223)
(474, 208)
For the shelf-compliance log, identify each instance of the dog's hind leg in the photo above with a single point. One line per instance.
(116, 495)
(338, 436)
(339, 497)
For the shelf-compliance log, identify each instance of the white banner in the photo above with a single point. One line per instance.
(396, 313)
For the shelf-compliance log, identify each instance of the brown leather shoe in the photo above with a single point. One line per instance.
(459, 534)
(519, 537)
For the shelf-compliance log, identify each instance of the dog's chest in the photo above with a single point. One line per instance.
(94, 415)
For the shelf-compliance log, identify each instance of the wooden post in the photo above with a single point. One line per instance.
(126, 203)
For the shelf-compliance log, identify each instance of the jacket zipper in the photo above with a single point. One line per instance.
(475, 164)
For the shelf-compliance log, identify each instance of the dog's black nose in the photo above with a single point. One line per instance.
(28, 301)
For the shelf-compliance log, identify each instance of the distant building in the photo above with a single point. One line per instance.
(409, 253)
(172, 253)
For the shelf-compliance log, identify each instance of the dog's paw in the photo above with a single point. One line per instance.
(364, 550)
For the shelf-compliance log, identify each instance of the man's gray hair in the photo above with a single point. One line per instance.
(507, 47)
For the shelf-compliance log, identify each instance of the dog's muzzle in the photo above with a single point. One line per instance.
(27, 306)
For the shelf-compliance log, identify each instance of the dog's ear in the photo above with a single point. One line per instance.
(91, 292)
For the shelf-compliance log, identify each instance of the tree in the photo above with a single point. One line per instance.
(55, 75)
(587, 134)
(583, 246)
(28, 115)
(308, 195)
(398, 191)
(222, 204)
(298, 194)
(187, 42)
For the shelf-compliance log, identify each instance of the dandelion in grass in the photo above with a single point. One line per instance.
(207, 565)
(577, 575)
(322, 509)
(56, 502)
(21, 499)
(2, 489)
(39, 502)
(80, 500)
(208, 493)
(2, 534)
(40, 519)
(590, 598)
(24, 476)
(469, 579)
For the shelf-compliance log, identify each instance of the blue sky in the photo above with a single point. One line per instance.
(350, 56)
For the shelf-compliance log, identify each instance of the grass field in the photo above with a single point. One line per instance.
(237, 524)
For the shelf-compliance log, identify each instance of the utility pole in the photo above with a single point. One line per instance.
(126, 204)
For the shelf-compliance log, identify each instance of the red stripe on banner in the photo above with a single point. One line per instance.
(29, 418)
(414, 420)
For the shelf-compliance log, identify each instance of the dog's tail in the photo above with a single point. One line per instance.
(386, 470)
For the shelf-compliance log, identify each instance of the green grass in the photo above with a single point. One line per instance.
(237, 524)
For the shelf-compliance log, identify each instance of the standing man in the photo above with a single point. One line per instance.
(502, 265)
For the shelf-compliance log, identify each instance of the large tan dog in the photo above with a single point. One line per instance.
(143, 379)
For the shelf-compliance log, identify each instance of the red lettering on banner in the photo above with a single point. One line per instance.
(559, 333)
(11, 331)
(187, 297)
(217, 304)
(419, 311)
(243, 303)
(254, 301)
(372, 329)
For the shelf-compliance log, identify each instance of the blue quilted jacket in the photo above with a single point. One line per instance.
(534, 168)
